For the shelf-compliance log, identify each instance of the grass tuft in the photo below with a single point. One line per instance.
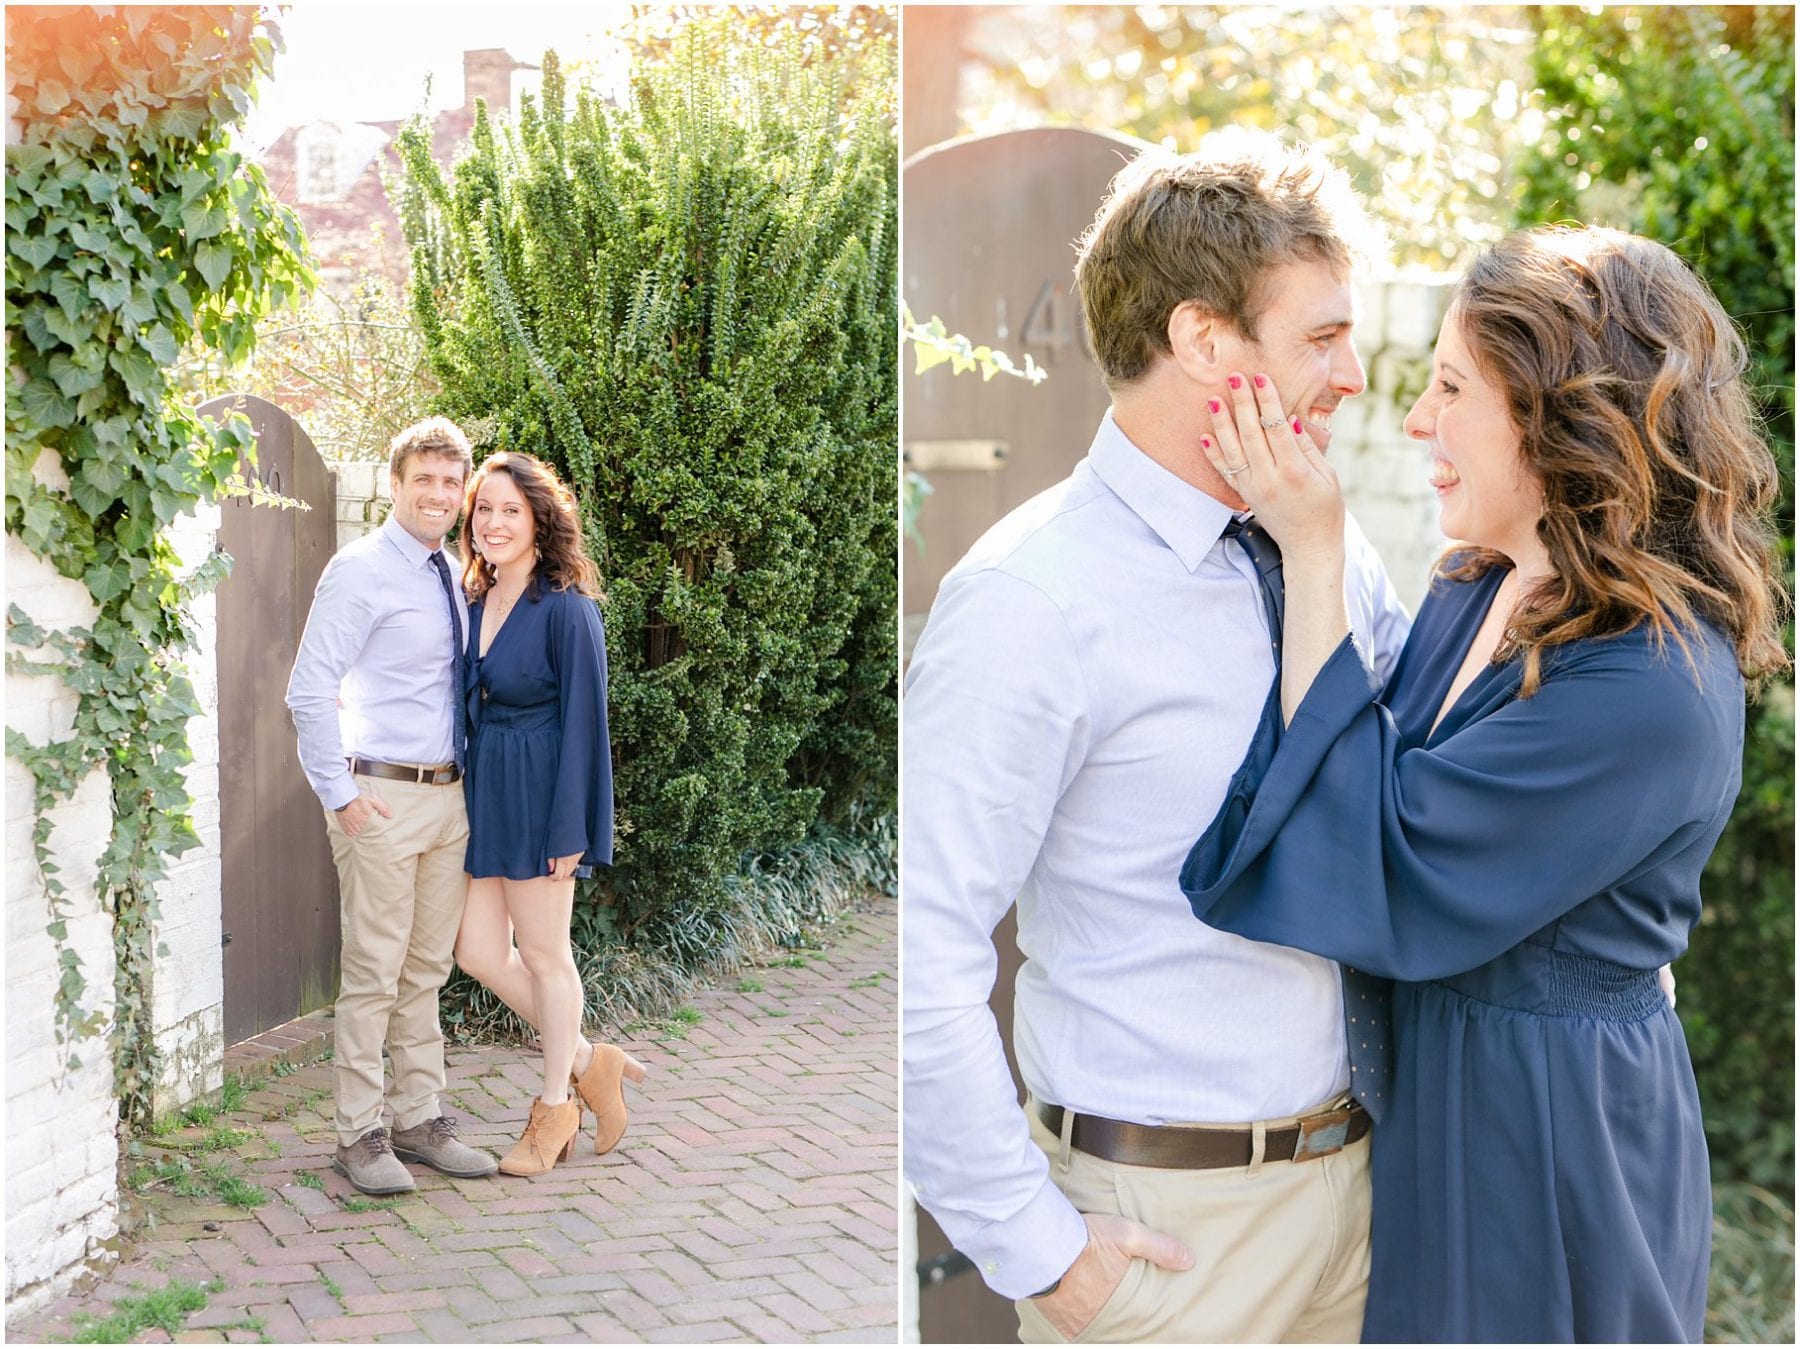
(1751, 1293)
(166, 1309)
(207, 1180)
(356, 1203)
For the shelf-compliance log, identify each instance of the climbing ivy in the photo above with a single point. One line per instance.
(133, 229)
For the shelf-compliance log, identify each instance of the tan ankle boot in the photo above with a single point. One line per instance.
(549, 1138)
(601, 1088)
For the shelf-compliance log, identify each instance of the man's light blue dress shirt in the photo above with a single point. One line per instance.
(1088, 681)
(378, 636)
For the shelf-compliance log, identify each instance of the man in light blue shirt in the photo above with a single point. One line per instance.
(376, 697)
(1086, 686)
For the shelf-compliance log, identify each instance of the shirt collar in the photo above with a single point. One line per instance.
(410, 548)
(1182, 516)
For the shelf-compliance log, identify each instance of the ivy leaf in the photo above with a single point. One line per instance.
(213, 261)
(111, 292)
(924, 357)
(203, 220)
(141, 375)
(78, 61)
(139, 307)
(91, 240)
(37, 328)
(45, 406)
(39, 521)
(136, 530)
(70, 377)
(52, 96)
(161, 344)
(73, 331)
(182, 122)
(100, 186)
(69, 293)
(177, 295)
(36, 250)
(94, 499)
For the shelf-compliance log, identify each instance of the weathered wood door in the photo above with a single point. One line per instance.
(280, 895)
(989, 237)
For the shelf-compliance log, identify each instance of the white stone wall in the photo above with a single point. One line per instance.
(62, 1121)
(364, 496)
(1384, 473)
(188, 990)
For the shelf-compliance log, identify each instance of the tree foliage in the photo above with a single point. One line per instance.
(132, 229)
(351, 367)
(1678, 123)
(687, 304)
(1425, 107)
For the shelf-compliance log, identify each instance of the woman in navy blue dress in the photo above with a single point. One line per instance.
(539, 787)
(1514, 829)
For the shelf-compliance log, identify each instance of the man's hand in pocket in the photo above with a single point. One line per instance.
(1113, 1243)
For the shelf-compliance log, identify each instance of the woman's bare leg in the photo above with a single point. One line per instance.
(484, 949)
(540, 912)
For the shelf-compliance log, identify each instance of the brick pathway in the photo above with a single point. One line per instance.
(753, 1199)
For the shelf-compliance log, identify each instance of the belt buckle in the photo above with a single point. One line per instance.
(1323, 1134)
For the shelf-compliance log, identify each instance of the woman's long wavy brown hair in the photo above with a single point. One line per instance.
(1625, 380)
(562, 561)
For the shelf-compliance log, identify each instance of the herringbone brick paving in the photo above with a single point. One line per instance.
(753, 1198)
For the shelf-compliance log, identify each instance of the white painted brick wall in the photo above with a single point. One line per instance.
(363, 496)
(188, 992)
(62, 1151)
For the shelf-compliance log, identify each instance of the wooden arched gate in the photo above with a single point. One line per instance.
(280, 897)
(989, 228)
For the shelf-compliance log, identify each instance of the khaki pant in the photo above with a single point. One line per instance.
(1281, 1249)
(402, 888)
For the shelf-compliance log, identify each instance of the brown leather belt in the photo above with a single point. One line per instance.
(1176, 1148)
(433, 775)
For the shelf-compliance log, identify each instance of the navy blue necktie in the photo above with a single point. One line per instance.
(1367, 1026)
(456, 656)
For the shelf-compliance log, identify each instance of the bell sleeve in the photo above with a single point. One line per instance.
(1422, 863)
(581, 810)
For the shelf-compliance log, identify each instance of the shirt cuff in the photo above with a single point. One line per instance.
(1032, 1249)
(337, 795)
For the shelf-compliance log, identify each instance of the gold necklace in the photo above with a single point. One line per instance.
(504, 603)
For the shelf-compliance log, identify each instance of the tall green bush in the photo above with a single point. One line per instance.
(1678, 123)
(687, 303)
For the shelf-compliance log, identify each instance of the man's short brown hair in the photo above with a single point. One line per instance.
(1206, 227)
(434, 435)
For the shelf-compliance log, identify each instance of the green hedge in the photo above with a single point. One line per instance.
(1679, 123)
(687, 304)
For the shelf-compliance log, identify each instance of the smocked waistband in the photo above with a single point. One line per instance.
(1549, 982)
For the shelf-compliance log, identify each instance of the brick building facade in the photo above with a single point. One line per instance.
(334, 174)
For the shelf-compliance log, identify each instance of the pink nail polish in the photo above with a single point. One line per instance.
(1261, 382)
(1206, 442)
(1296, 426)
(1213, 405)
(1236, 381)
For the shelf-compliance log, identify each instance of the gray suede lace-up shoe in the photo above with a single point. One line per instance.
(371, 1166)
(436, 1145)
